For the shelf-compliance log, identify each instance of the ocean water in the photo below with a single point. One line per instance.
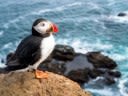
(86, 25)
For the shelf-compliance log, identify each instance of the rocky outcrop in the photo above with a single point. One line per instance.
(101, 61)
(25, 84)
(80, 67)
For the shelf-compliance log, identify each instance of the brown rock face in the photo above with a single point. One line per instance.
(25, 84)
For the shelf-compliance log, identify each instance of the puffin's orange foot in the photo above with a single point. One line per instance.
(40, 74)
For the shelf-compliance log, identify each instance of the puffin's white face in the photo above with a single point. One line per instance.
(43, 27)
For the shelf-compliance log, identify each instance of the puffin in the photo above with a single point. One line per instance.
(34, 49)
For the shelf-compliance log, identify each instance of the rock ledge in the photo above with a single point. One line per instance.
(25, 84)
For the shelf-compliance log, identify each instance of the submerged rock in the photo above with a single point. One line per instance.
(25, 84)
(122, 14)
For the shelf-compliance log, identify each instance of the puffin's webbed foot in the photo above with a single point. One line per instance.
(40, 74)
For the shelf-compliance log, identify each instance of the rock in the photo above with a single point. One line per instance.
(25, 84)
(95, 73)
(80, 76)
(9, 55)
(122, 14)
(76, 69)
(101, 61)
(54, 66)
(109, 80)
(108, 76)
(63, 52)
(79, 62)
(115, 73)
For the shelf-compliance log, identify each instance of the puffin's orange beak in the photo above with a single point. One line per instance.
(55, 28)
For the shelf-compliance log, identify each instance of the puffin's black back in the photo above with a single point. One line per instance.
(27, 53)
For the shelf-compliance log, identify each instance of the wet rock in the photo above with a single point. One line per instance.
(109, 80)
(122, 14)
(95, 73)
(80, 76)
(115, 73)
(79, 62)
(71, 69)
(9, 55)
(54, 66)
(63, 52)
(101, 61)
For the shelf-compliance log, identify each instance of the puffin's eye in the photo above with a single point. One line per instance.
(43, 24)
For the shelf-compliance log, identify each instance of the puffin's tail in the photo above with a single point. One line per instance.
(9, 69)
(13, 65)
(10, 66)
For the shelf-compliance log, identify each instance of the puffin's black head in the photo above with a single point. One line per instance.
(42, 26)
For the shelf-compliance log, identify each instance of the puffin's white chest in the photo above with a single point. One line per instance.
(47, 46)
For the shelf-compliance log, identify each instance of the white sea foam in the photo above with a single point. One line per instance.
(84, 47)
(100, 89)
(2, 65)
(119, 57)
(8, 45)
(104, 92)
(117, 19)
(2, 58)
(98, 78)
(123, 90)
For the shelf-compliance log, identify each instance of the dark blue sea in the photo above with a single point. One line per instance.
(86, 25)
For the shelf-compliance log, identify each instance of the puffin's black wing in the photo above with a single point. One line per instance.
(27, 53)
